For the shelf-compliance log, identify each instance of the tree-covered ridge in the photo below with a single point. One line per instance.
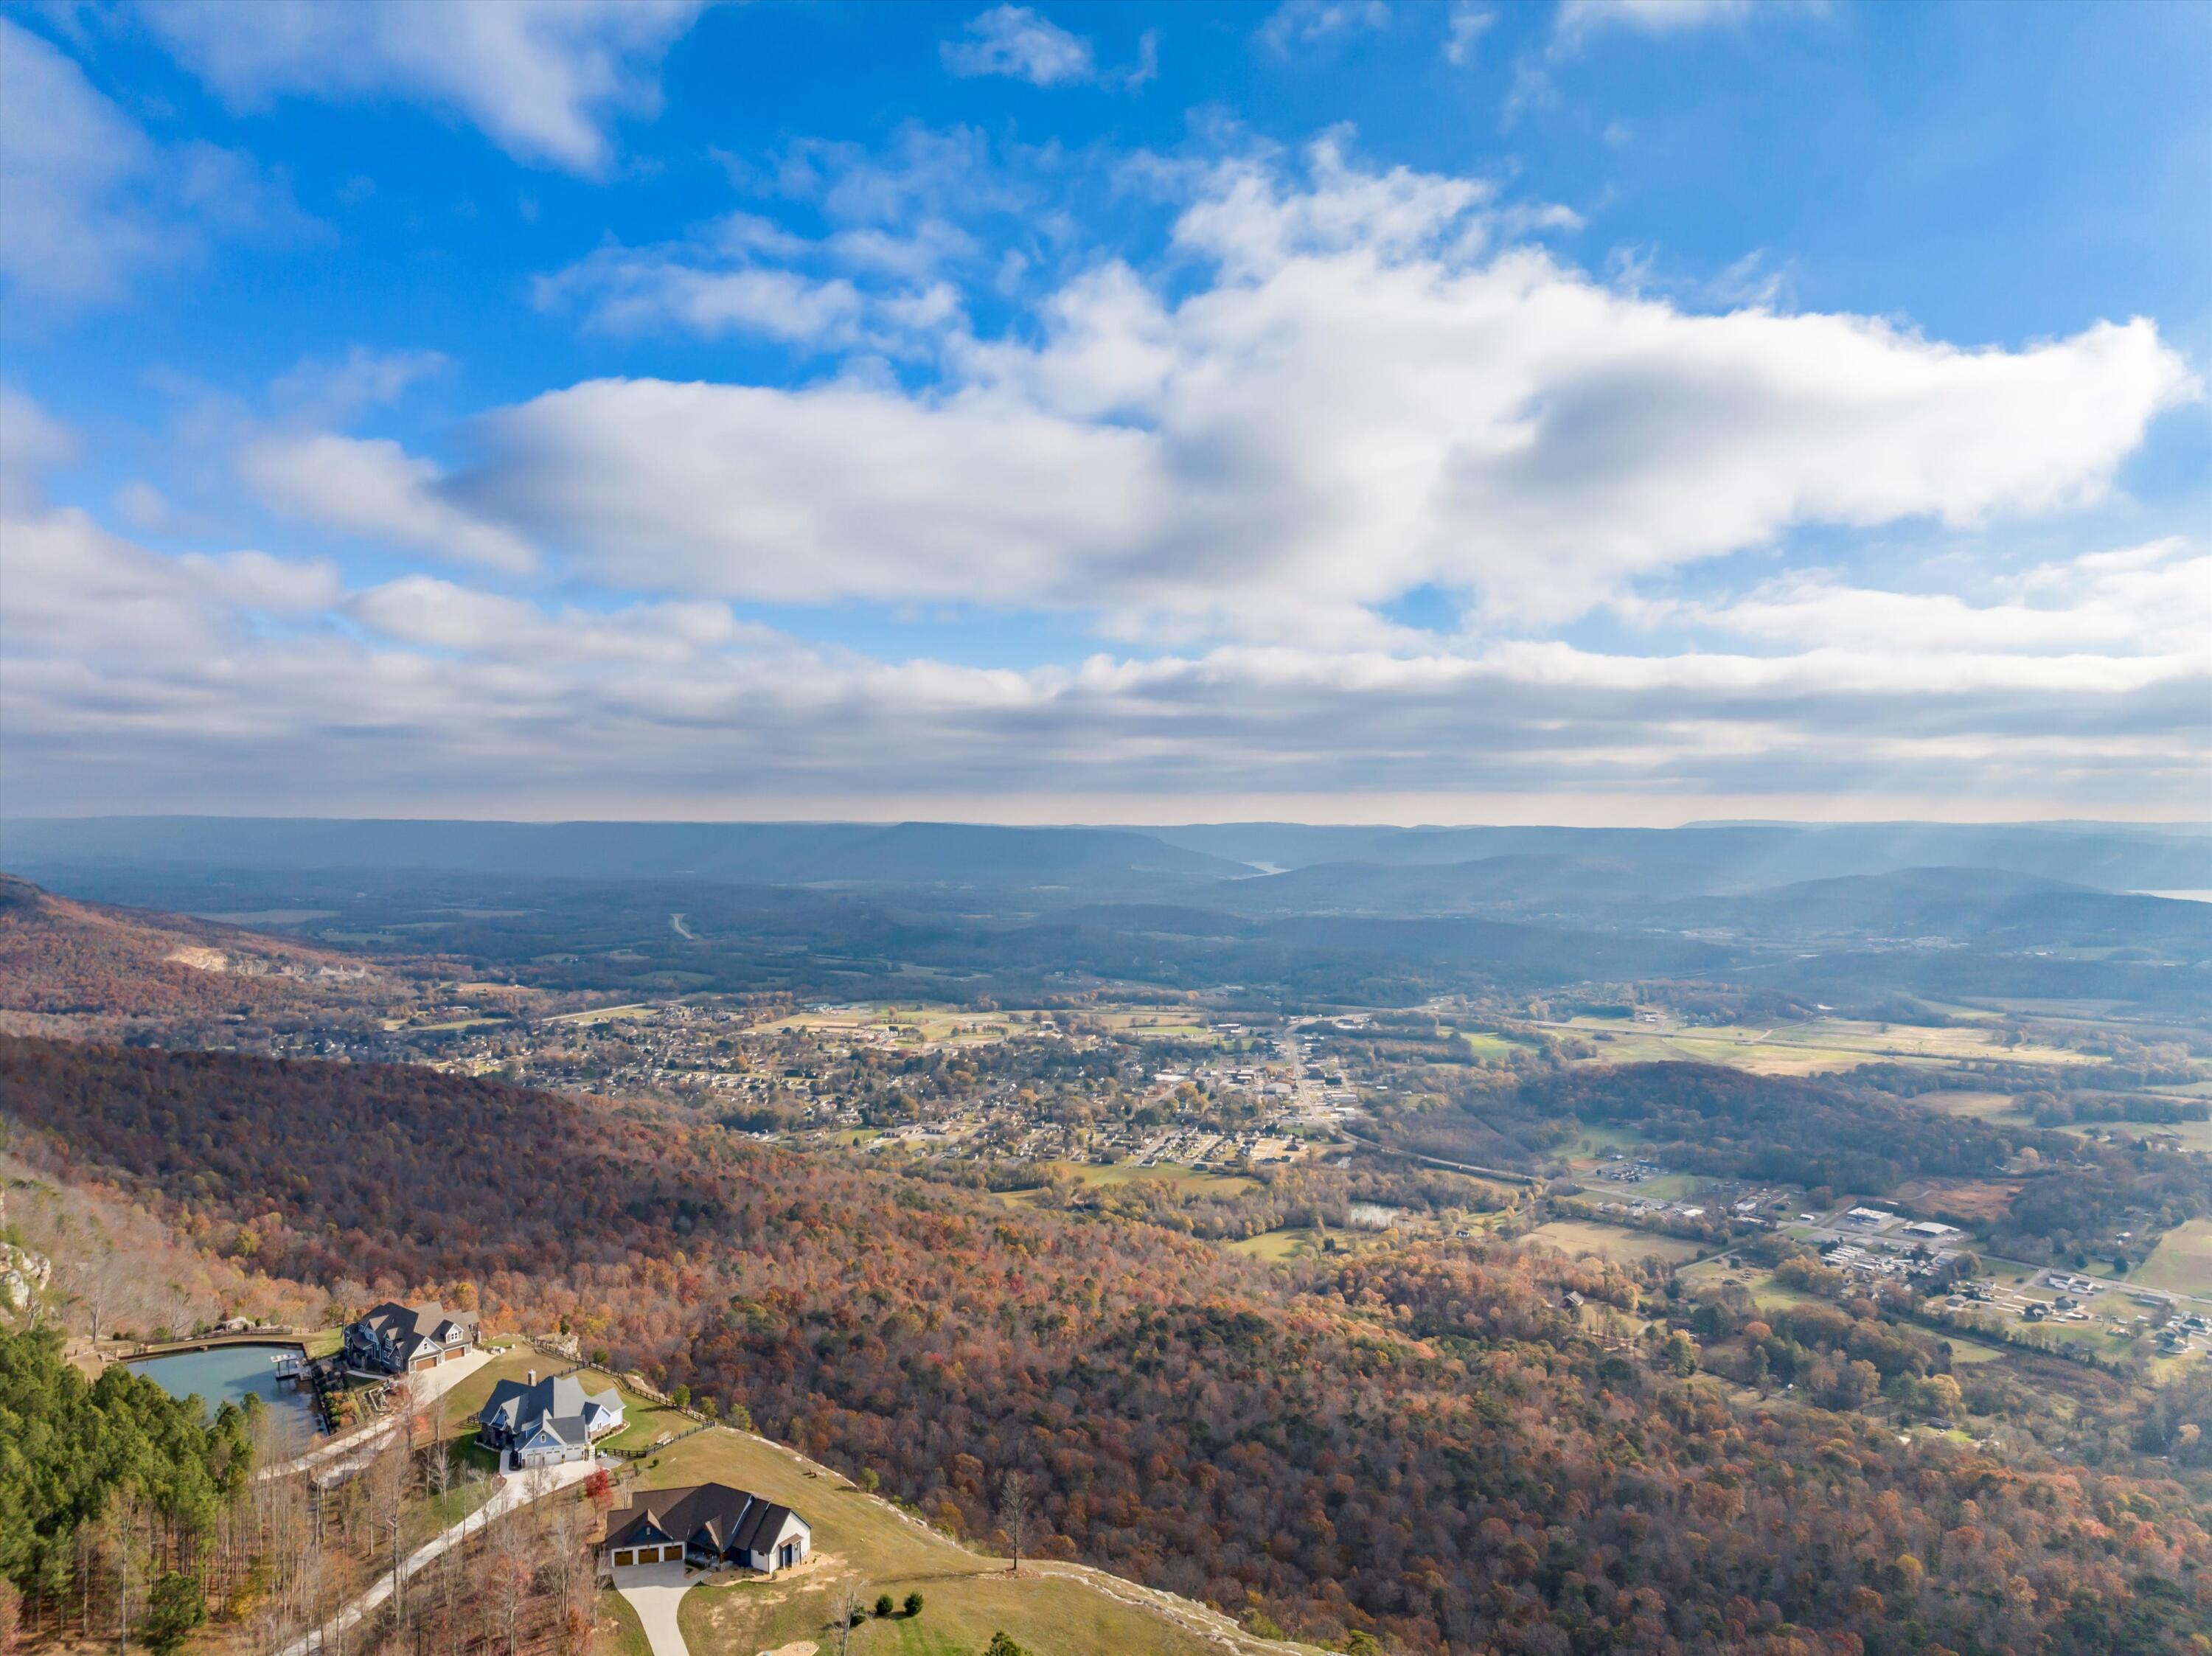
(76, 1453)
(62, 957)
(1425, 1443)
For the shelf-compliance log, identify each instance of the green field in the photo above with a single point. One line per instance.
(1280, 1245)
(2182, 1262)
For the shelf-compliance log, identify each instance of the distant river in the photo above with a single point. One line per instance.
(231, 1373)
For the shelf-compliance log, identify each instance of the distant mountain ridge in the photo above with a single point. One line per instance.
(793, 853)
(1737, 858)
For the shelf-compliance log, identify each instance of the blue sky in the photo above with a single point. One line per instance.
(1625, 412)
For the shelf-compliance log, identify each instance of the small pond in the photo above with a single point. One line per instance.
(231, 1373)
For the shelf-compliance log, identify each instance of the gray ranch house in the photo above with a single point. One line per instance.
(708, 1526)
(399, 1339)
(545, 1423)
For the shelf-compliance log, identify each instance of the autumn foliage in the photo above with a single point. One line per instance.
(1421, 1443)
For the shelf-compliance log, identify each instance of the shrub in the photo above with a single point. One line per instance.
(913, 1604)
(883, 1604)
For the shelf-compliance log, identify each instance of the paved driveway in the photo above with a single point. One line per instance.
(653, 1591)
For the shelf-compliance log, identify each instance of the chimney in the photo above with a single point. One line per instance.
(533, 1380)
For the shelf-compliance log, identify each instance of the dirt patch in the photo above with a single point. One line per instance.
(1977, 1201)
(200, 960)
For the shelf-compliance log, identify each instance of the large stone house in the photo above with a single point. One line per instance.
(397, 1339)
(709, 1526)
(545, 1422)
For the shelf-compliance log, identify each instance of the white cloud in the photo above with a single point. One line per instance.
(91, 202)
(2150, 600)
(370, 486)
(1364, 399)
(33, 444)
(625, 290)
(1578, 18)
(72, 166)
(540, 77)
(330, 391)
(1016, 41)
(242, 681)
(1465, 26)
(1310, 22)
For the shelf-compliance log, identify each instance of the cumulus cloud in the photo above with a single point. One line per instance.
(686, 285)
(1022, 45)
(1016, 41)
(192, 675)
(541, 77)
(372, 488)
(33, 444)
(1370, 394)
(1296, 23)
(2149, 600)
(243, 680)
(92, 202)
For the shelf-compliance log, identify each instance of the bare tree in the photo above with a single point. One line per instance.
(508, 1545)
(386, 1481)
(846, 1607)
(1015, 1505)
(568, 1539)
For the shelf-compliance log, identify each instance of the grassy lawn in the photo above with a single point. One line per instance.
(2182, 1262)
(1615, 1242)
(646, 1421)
(1299, 1243)
(617, 1631)
(867, 1543)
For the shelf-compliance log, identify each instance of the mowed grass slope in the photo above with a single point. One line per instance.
(867, 1543)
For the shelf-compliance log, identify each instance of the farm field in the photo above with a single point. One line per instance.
(2182, 1262)
(1194, 1180)
(869, 1544)
(608, 1014)
(1806, 1048)
(1616, 1242)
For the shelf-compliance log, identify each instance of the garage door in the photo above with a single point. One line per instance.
(671, 1554)
(623, 1557)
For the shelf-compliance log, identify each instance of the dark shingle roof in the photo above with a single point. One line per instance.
(731, 1518)
(425, 1320)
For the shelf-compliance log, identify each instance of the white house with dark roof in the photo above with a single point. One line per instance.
(707, 1525)
(545, 1423)
(399, 1339)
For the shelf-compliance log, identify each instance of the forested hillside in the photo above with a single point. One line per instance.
(1423, 1443)
(61, 957)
